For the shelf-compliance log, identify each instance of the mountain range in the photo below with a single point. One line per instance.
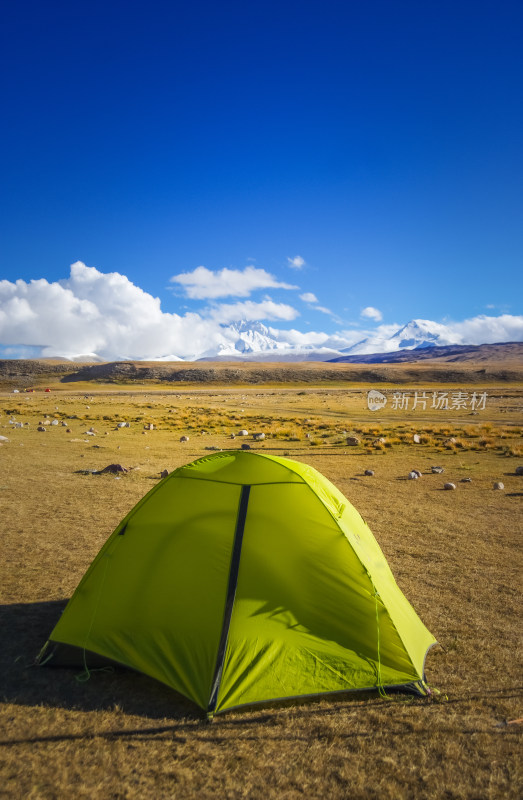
(254, 341)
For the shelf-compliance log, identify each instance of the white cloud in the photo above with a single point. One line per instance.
(489, 330)
(323, 310)
(372, 313)
(105, 313)
(204, 284)
(95, 312)
(250, 311)
(297, 262)
(308, 297)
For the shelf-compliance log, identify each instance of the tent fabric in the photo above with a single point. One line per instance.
(244, 578)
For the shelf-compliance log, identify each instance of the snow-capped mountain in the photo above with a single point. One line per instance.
(254, 341)
(415, 334)
(244, 337)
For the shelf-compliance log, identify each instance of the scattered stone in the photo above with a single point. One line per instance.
(246, 447)
(352, 441)
(68, 430)
(64, 424)
(41, 429)
(378, 441)
(232, 436)
(449, 441)
(519, 470)
(243, 433)
(498, 485)
(164, 473)
(148, 426)
(113, 468)
(413, 476)
(466, 480)
(90, 433)
(184, 438)
(369, 472)
(449, 486)
(416, 438)
(437, 470)
(55, 422)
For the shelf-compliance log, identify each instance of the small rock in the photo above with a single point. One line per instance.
(55, 422)
(466, 480)
(437, 470)
(68, 430)
(449, 486)
(352, 441)
(369, 472)
(498, 485)
(232, 436)
(113, 468)
(184, 438)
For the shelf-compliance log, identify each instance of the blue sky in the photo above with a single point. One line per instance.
(381, 142)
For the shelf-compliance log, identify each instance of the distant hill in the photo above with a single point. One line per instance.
(483, 364)
(455, 353)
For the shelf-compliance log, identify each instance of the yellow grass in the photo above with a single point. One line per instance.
(456, 555)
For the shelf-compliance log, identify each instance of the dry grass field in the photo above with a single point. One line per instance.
(455, 554)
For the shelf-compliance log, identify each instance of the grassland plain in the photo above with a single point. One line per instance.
(455, 554)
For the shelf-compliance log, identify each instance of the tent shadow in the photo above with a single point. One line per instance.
(25, 627)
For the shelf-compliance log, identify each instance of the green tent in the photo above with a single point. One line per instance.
(244, 578)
